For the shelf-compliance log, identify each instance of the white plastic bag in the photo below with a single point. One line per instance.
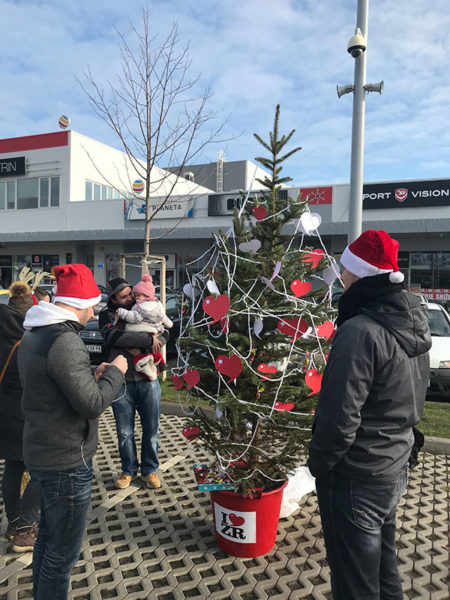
(300, 483)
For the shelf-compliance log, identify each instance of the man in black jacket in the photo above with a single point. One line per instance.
(61, 402)
(140, 394)
(373, 393)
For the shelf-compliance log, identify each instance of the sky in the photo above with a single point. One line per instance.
(252, 55)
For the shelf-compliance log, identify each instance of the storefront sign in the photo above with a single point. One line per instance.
(435, 294)
(10, 167)
(406, 194)
(174, 208)
(317, 195)
(36, 259)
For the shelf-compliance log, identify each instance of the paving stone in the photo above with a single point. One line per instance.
(160, 544)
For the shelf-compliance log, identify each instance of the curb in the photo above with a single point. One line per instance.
(434, 445)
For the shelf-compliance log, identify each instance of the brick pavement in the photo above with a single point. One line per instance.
(161, 545)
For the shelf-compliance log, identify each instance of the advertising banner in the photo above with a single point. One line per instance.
(407, 194)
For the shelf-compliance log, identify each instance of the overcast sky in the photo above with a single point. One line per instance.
(253, 54)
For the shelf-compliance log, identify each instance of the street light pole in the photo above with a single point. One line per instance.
(359, 105)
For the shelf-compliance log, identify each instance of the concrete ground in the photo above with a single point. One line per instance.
(161, 545)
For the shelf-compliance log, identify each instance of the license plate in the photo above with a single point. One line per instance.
(93, 348)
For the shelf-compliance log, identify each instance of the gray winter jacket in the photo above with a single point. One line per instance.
(373, 392)
(61, 399)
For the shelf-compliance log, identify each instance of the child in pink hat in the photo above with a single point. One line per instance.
(148, 315)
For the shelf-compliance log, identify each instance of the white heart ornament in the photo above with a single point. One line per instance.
(251, 246)
(331, 273)
(309, 222)
(212, 287)
(190, 291)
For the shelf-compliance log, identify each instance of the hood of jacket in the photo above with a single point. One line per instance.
(405, 318)
(47, 313)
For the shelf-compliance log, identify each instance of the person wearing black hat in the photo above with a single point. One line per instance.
(139, 394)
(372, 396)
(22, 511)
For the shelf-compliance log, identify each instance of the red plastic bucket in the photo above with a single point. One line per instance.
(246, 527)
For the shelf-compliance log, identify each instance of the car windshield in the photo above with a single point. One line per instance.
(439, 325)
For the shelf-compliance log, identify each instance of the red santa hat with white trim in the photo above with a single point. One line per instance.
(75, 286)
(373, 253)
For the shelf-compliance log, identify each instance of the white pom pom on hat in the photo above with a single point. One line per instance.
(373, 253)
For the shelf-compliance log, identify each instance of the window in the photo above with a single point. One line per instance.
(27, 194)
(10, 194)
(54, 196)
(96, 191)
(43, 192)
(2, 195)
(88, 195)
(104, 192)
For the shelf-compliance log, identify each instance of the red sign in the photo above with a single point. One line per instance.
(317, 195)
(435, 294)
(401, 194)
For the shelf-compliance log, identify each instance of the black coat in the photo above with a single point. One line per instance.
(373, 391)
(11, 416)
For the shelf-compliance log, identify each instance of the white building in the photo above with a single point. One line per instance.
(66, 198)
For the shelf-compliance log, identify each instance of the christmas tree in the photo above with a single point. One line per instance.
(255, 333)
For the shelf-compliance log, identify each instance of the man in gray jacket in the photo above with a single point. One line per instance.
(61, 402)
(373, 393)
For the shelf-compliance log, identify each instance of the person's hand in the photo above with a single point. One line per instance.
(157, 345)
(133, 351)
(121, 363)
(100, 370)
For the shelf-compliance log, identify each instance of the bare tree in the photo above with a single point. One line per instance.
(155, 112)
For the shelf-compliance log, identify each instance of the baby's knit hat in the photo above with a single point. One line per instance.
(21, 298)
(146, 288)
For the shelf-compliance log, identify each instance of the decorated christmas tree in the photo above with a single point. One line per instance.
(255, 334)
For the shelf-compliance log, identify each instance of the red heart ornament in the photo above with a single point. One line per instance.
(225, 324)
(229, 366)
(191, 433)
(191, 377)
(314, 257)
(300, 288)
(294, 328)
(236, 521)
(263, 368)
(313, 380)
(178, 382)
(281, 406)
(216, 307)
(259, 212)
(325, 330)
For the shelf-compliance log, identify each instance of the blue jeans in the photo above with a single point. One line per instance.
(358, 522)
(145, 398)
(65, 497)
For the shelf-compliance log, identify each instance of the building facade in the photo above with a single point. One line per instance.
(65, 197)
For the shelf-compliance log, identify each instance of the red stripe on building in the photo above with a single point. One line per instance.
(34, 142)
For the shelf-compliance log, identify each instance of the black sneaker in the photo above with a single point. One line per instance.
(25, 538)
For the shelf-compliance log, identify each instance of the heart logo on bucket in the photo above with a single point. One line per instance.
(235, 526)
(230, 366)
(216, 307)
(236, 521)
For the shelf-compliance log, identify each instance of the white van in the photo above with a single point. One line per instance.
(439, 321)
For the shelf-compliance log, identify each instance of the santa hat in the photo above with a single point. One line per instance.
(373, 253)
(75, 286)
(146, 288)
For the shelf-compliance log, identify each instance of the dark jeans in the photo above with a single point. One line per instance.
(65, 497)
(145, 398)
(358, 521)
(26, 509)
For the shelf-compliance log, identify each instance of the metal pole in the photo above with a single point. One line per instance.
(359, 104)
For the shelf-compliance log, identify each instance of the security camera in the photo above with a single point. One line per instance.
(357, 44)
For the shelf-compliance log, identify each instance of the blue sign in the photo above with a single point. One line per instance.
(100, 265)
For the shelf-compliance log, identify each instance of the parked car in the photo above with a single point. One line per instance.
(439, 321)
(93, 339)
